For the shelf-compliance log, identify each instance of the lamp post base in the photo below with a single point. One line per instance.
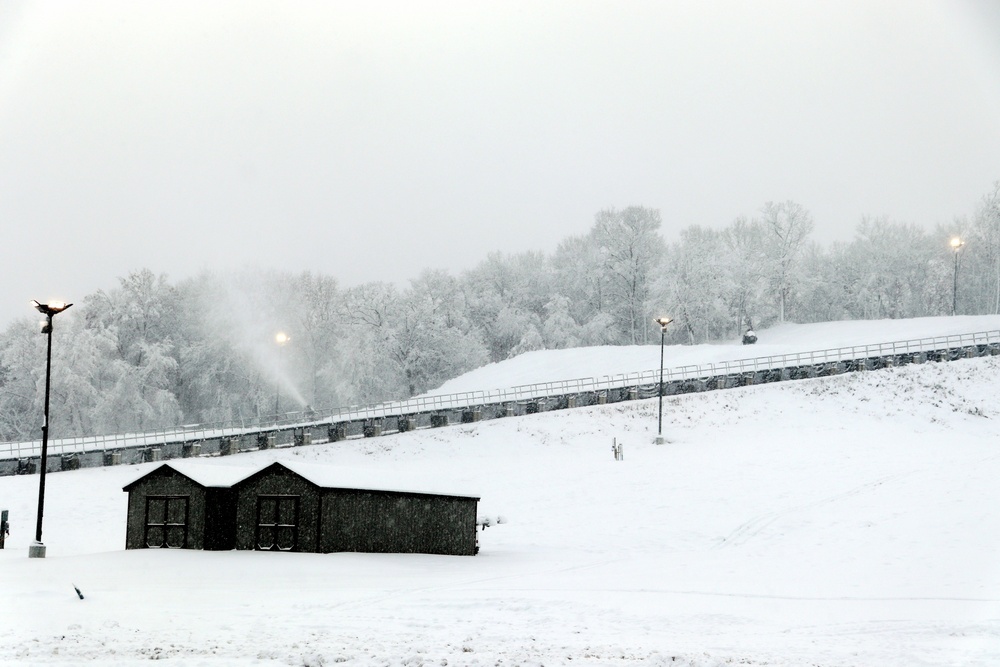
(36, 550)
(660, 440)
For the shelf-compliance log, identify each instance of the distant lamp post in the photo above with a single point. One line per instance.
(280, 338)
(956, 245)
(36, 549)
(663, 322)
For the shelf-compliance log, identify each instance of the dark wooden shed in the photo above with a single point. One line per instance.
(288, 506)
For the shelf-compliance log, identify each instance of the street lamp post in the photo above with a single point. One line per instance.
(50, 310)
(280, 338)
(956, 245)
(663, 322)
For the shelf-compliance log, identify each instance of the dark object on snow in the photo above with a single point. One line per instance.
(77, 591)
(4, 531)
(749, 338)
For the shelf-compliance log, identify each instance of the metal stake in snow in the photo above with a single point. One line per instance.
(663, 322)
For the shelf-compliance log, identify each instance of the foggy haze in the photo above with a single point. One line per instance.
(368, 141)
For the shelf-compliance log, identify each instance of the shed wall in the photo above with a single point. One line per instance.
(220, 519)
(168, 483)
(392, 522)
(276, 481)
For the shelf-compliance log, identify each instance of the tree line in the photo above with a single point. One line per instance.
(150, 353)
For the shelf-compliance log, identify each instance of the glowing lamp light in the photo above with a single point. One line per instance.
(50, 308)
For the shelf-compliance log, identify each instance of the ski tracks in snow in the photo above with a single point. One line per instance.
(755, 526)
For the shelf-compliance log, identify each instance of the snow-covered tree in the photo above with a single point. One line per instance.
(631, 249)
(889, 261)
(744, 273)
(693, 284)
(137, 383)
(787, 226)
(506, 297)
(983, 252)
(579, 276)
(430, 338)
(316, 311)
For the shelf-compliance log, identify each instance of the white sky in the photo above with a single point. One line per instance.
(371, 140)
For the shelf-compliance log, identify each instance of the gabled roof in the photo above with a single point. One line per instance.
(203, 474)
(360, 479)
(320, 475)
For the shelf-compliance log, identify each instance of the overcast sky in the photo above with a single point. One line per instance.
(371, 140)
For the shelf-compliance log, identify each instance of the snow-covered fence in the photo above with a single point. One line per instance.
(428, 411)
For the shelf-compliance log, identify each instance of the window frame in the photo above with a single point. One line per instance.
(277, 529)
(165, 525)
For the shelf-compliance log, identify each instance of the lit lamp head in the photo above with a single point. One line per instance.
(957, 243)
(281, 338)
(49, 309)
(663, 322)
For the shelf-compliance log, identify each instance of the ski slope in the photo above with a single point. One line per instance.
(596, 362)
(837, 521)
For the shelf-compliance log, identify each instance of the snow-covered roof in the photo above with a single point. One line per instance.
(369, 479)
(322, 475)
(205, 474)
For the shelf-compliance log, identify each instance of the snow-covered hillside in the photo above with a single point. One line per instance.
(589, 362)
(848, 520)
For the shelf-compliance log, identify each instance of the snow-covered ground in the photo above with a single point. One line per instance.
(838, 521)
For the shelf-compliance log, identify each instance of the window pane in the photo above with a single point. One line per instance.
(265, 537)
(177, 510)
(286, 538)
(155, 510)
(286, 513)
(154, 536)
(266, 510)
(175, 537)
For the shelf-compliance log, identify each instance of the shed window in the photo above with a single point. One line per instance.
(277, 523)
(166, 522)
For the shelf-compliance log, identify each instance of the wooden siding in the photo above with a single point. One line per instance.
(165, 482)
(395, 522)
(276, 480)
